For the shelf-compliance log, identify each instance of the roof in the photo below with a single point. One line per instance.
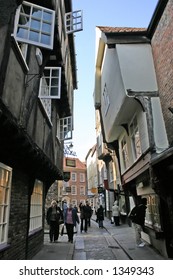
(109, 29)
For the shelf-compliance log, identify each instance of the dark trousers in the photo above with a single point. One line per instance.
(89, 222)
(100, 223)
(117, 220)
(83, 225)
(54, 231)
(69, 228)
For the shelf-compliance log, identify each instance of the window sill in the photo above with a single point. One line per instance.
(4, 247)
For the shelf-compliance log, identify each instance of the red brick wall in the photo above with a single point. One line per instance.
(162, 44)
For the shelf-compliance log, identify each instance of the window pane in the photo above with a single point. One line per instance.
(54, 91)
(34, 36)
(46, 27)
(35, 24)
(47, 16)
(45, 39)
(36, 13)
(23, 33)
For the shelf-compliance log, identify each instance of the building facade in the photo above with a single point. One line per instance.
(74, 190)
(37, 80)
(133, 98)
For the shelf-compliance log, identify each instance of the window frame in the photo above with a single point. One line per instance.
(47, 87)
(74, 21)
(73, 190)
(82, 177)
(82, 190)
(36, 207)
(135, 138)
(39, 20)
(124, 152)
(65, 128)
(106, 99)
(73, 174)
(5, 194)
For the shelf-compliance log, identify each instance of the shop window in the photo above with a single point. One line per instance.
(152, 213)
(5, 190)
(36, 207)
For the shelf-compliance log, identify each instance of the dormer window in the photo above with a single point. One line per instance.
(34, 25)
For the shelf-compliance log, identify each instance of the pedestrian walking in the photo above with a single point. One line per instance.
(137, 216)
(116, 213)
(71, 218)
(100, 216)
(64, 207)
(88, 213)
(83, 219)
(53, 216)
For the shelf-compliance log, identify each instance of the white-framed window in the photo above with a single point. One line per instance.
(73, 190)
(5, 191)
(152, 217)
(82, 177)
(111, 171)
(50, 88)
(47, 105)
(106, 99)
(34, 25)
(82, 190)
(73, 176)
(124, 151)
(36, 207)
(135, 139)
(65, 128)
(50, 83)
(74, 21)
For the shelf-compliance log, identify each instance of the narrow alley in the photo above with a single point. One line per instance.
(109, 243)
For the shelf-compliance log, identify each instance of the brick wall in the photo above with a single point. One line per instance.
(162, 44)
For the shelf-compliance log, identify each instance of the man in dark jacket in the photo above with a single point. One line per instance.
(137, 216)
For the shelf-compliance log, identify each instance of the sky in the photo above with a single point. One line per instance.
(114, 13)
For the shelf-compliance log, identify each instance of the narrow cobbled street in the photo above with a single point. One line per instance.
(109, 243)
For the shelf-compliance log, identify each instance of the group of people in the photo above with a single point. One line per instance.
(55, 216)
(69, 216)
(85, 216)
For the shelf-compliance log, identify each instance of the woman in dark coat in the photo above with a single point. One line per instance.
(100, 216)
(54, 214)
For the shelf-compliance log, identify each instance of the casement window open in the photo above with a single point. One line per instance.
(34, 25)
